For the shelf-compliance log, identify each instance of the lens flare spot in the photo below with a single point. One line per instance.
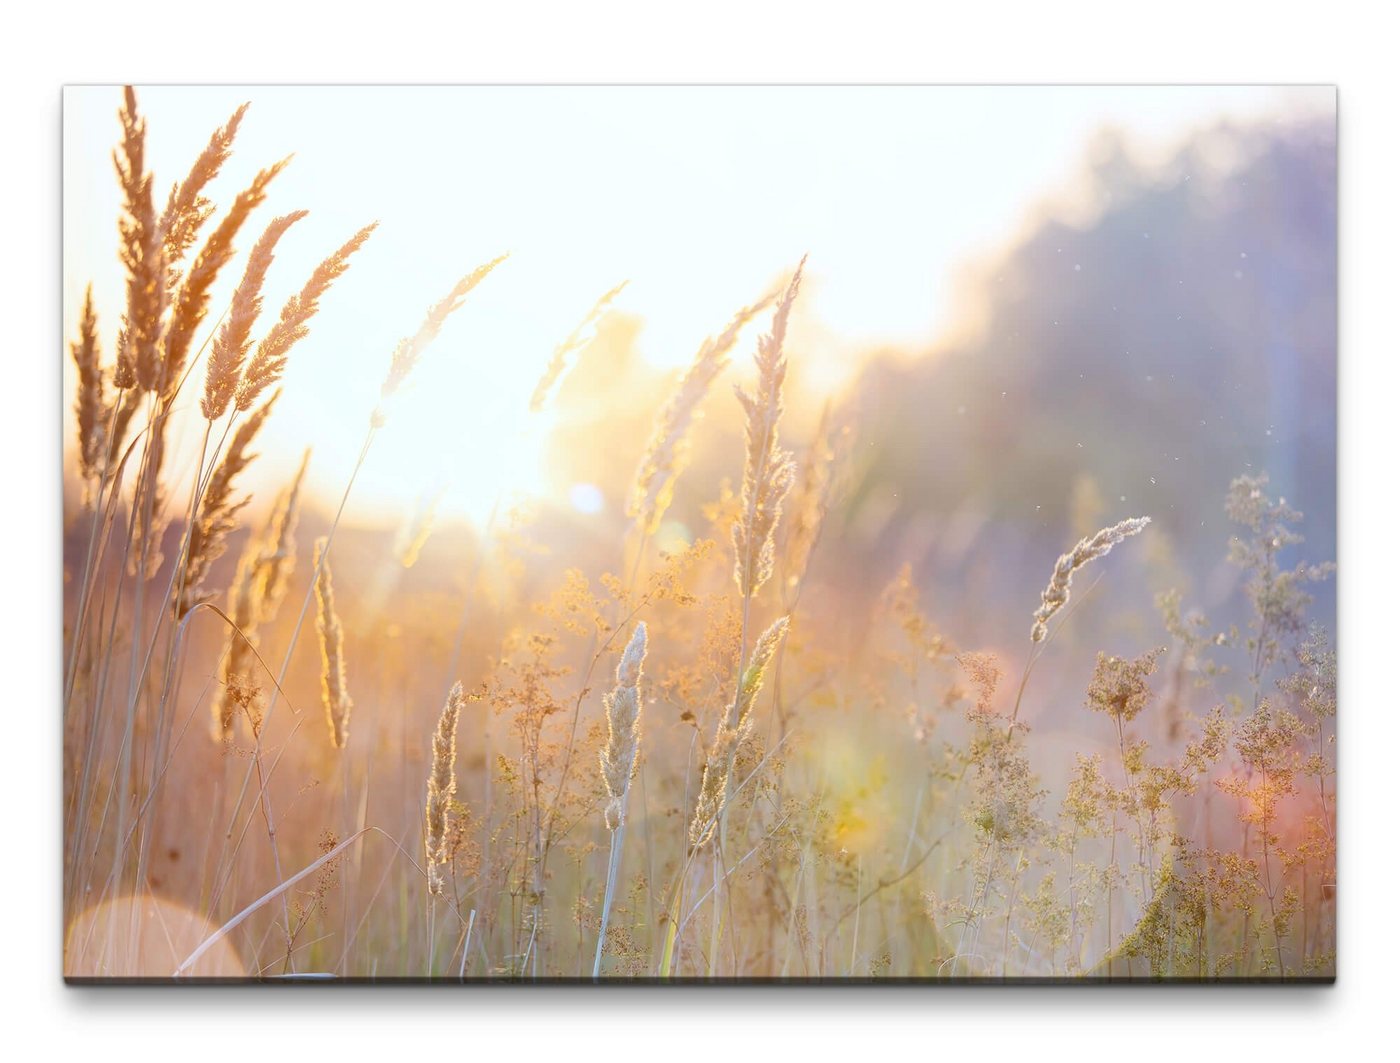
(144, 937)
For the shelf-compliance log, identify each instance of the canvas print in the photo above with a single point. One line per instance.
(698, 534)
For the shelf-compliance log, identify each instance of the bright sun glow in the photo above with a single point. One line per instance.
(701, 197)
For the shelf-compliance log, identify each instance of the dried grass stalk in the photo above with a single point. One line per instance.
(579, 338)
(91, 406)
(188, 209)
(668, 451)
(254, 597)
(409, 350)
(235, 337)
(1056, 593)
(267, 363)
(142, 254)
(335, 692)
(218, 510)
(442, 786)
(732, 730)
(768, 469)
(623, 708)
(191, 301)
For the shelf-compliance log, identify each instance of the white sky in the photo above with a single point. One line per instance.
(703, 197)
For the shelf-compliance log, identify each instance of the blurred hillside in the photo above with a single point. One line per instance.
(1131, 363)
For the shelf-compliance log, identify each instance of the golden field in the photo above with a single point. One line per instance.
(769, 679)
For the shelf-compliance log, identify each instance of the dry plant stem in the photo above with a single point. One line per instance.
(147, 478)
(163, 768)
(615, 845)
(305, 606)
(169, 684)
(683, 874)
(991, 850)
(280, 890)
(722, 829)
(1010, 908)
(146, 501)
(92, 720)
(197, 489)
(594, 657)
(1144, 857)
(90, 555)
(974, 921)
(1269, 892)
(700, 901)
(256, 764)
(104, 667)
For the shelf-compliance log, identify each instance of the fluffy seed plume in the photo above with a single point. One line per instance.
(623, 706)
(1056, 594)
(267, 363)
(335, 693)
(218, 510)
(714, 782)
(668, 452)
(733, 729)
(752, 682)
(234, 339)
(442, 785)
(141, 254)
(188, 209)
(563, 355)
(91, 405)
(768, 469)
(191, 302)
(409, 350)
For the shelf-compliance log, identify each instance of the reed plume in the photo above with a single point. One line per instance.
(768, 469)
(188, 209)
(267, 363)
(732, 730)
(623, 708)
(668, 451)
(218, 510)
(235, 336)
(1056, 593)
(91, 406)
(191, 301)
(142, 254)
(410, 349)
(579, 338)
(442, 786)
(335, 693)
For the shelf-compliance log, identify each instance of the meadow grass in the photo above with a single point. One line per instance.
(769, 798)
